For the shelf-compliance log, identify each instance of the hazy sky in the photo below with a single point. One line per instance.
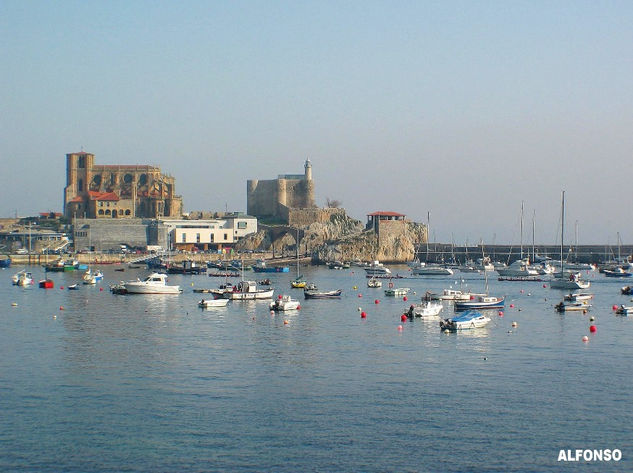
(463, 109)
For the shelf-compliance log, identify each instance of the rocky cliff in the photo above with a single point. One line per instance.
(340, 239)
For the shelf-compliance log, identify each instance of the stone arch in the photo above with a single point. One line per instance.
(100, 211)
(128, 212)
(107, 212)
(114, 213)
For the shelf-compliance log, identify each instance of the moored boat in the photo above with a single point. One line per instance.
(574, 306)
(627, 290)
(617, 273)
(46, 284)
(284, 303)
(155, 283)
(578, 296)
(261, 267)
(466, 321)
(624, 310)
(373, 282)
(426, 309)
(22, 278)
(431, 270)
(213, 303)
(377, 269)
(312, 292)
(248, 290)
(397, 291)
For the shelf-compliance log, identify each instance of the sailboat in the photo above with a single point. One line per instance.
(298, 282)
(426, 268)
(563, 281)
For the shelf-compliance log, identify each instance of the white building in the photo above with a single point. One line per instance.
(210, 233)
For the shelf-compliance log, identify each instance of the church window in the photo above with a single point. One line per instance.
(127, 178)
(82, 161)
(80, 185)
(142, 179)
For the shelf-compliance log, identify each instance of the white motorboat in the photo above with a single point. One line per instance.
(373, 282)
(248, 290)
(431, 270)
(450, 295)
(466, 321)
(284, 303)
(427, 309)
(397, 291)
(155, 283)
(518, 269)
(22, 278)
(481, 301)
(377, 269)
(213, 303)
(624, 310)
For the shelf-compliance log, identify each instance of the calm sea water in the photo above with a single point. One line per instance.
(152, 383)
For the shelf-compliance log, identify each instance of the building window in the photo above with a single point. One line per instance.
(184, 238)
(107, 212)
(128, 212)
(241, 225)
(127, 178)
(211, 237)
(82, 161)
(197, 238)
(80, 185)
(226, 236)
(100, 211)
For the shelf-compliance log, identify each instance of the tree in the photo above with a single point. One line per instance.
(332, 203)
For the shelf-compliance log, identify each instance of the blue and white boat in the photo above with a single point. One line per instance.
(466, 321)
(481, 301)
(617, 273)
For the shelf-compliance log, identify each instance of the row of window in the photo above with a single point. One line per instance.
(211, 237)
(114, 212)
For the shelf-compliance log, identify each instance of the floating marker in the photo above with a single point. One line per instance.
(585, 338)
(363, 315)
(360, 295)
(286, 322)
(403, 317)
(61, 307)
(593, 329)
(614, 307)
(405, 298)
(514, 324)
(400, 328)
(500, 313)
(592, 318)
(14, 304)
(511, 306)
(376, 301)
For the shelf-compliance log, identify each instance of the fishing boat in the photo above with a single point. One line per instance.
(284, 303)
(213, 303)
(627, 290)
(118, 288)
(573, 281)
(312, 292)
(186, 267)
(518, 269)
(481, 301)
(377, 269)
(248, 290)
(46, 284)
(578, 306)
(397, 291)
(261, 267)
(466, 321)
(624, 310)
(73, 287)
(450, 295)
(373, 282)
(426, 309)
(155, 283)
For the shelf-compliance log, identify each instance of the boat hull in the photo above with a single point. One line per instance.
(133, 288)
(249, 296)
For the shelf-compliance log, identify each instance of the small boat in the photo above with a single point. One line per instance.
(155, 283)
(5, 262)
(573, 282)
(578, 296)
(466, 321)
(265, 282)
(284, 303)
(46, 284)
(261, 267)
(186, 267)
(213, 303)
(426, 309)
(92, 278)
(120, 269)
(373, 282)
(312, 292)
(377, 269)
(481, 301)
(450, 295)
(118, 288)
(617, 273)
(624, 310)
(298, 283)
(518, 269)
(397, 291)
(73, 287)
(248, 290)
(627, 290)
(431, 270)
(579, 306)
(22, 278)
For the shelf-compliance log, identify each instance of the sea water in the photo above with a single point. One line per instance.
(95, 382)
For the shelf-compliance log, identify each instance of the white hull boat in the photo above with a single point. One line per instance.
(377, 269)
(467, 321)
(624, 310)
(248, 291)
(22, 278)
(284, 303)
(155, 283)
(397, 291)
(426, 309)
(205, 303)
(431, 270)
(373, 282)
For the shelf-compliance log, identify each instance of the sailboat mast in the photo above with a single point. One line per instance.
(428, 226)
(533, 232)
(521, 229)
(562, 233)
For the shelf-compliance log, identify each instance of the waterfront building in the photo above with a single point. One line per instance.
(117, 191)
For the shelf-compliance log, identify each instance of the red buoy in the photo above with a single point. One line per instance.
(614, 307)
(511, 306)
(61, 287)
(405, 298)
(376, 301)
(544, 285)
(298, 307)
(593, 329)
(363, 315)
(360, 295)
(500, 313)
(403, 317)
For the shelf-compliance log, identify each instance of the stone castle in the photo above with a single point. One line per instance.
(117, 191)
(274, 199)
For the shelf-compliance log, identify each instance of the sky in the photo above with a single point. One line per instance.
(457, 110)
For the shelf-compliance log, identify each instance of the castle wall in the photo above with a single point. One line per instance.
(261, 198)
(304, 217)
